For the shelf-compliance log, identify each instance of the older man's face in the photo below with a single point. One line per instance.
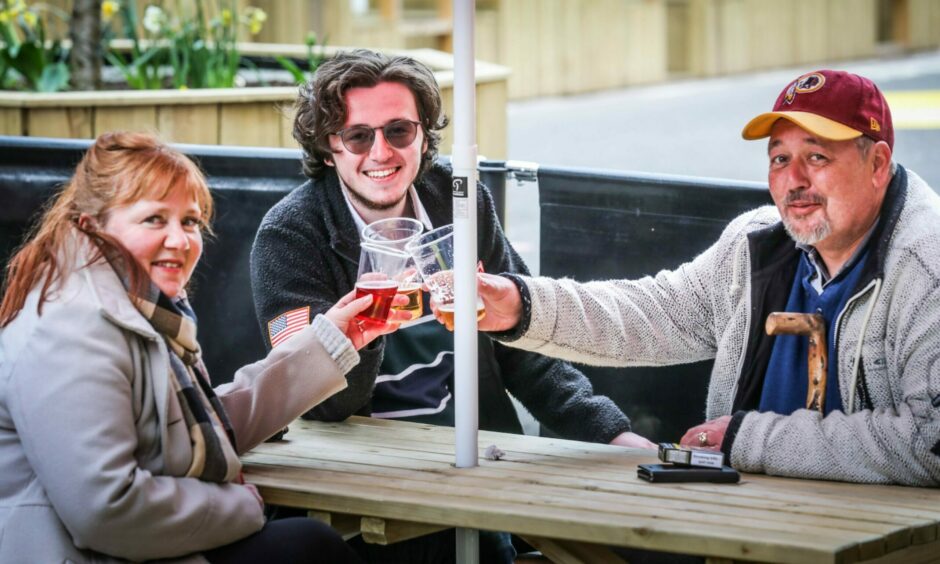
(827, 192)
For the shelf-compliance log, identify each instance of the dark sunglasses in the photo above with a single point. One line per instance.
(358, 139)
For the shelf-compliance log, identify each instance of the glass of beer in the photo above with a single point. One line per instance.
(433, 253)
(392, 231)
(381, 272)
(396, 232)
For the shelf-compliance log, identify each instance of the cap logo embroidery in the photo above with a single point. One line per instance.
(810, 83)
(791, 93)
(875, 126)
(803, 85)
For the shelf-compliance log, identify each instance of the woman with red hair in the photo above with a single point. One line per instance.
(113, 444)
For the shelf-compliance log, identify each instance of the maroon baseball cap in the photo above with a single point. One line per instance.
(834, 105)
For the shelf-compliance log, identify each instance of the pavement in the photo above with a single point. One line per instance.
(693, 128)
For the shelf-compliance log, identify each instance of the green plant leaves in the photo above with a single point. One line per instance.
(291, 67)
(54, 77)
(37, 66)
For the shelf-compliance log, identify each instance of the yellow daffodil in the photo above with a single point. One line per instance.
(226, 17)
(5, 17)
(30, 19)
(108, 9)
(256, 19)
(17, 7)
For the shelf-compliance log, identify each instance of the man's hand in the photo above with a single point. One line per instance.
(361, 333)
(632, 440)
(709, 434)
(502, 300)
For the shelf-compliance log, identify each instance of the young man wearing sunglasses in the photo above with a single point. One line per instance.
(369, 128)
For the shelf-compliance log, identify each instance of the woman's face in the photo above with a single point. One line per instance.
(164, 236)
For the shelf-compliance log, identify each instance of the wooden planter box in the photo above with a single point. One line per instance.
(229, 116)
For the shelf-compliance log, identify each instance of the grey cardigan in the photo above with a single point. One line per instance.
(92, 440)
(888, 339)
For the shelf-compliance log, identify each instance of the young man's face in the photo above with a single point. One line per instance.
(378, 179)
(827, 192)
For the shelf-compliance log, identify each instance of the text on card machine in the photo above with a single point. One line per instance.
(690, 456)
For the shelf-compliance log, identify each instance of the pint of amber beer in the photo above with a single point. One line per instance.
(415, 306)
(396, 232)
(447, 313)
(381, 271)
(433, 254)
(383, 292)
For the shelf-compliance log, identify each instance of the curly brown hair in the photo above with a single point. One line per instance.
(321, 104)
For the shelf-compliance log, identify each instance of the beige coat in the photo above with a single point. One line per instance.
(92, 441)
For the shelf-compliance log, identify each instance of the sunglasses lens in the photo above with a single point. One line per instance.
(358, 139)
(400, 134)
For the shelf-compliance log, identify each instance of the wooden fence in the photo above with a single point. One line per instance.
(570, 46)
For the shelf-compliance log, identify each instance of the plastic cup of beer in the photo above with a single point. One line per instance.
(393, 231)
(441, 286)
(433, 253)
(381, 271)
(411, 289)
(397, 232)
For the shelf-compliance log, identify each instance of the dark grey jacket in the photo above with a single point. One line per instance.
(307, 252)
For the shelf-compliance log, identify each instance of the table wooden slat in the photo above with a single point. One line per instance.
(566, 552)
(388, 531)
(574, 493)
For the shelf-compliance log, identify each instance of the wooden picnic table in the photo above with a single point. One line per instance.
(392, 480)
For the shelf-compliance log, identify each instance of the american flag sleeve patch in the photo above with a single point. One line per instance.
(285, 325)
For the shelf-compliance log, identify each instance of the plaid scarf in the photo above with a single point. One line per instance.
(214, 456)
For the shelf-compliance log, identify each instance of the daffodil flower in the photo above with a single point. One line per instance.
(17, 7)
(154, 18)
(108, 9)
(256, 19)
(30, 19)
(226, 17)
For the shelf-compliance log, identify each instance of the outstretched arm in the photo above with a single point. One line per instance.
(289, 271)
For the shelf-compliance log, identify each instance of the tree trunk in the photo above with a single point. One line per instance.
(85, 33)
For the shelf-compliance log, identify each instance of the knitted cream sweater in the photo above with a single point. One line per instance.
(702, 310)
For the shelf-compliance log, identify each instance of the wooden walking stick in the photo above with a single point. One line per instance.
(813, 326)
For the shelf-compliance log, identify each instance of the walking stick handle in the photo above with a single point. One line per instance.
(813, 326)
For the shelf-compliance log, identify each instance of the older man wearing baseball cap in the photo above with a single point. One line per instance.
(853, 239)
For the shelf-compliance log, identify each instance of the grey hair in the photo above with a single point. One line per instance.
(864, 144)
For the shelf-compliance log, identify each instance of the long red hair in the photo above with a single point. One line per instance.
(119, 169)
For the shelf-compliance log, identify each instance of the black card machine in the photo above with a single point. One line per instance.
(673, 473)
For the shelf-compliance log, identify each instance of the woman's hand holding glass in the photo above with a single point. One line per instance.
(344, 313)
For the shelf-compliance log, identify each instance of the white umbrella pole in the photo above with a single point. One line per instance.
(465, 236)
(465, 252)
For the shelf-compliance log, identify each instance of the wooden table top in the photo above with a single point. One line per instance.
(574, 491)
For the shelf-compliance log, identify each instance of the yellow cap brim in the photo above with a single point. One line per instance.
(760, 126)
